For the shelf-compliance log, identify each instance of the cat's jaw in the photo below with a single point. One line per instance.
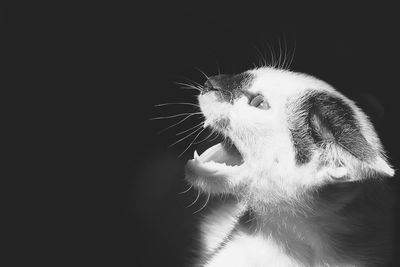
(217, 169)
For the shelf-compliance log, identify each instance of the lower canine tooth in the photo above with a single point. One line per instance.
(195, 156)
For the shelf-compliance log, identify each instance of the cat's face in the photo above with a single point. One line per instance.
(289, 132)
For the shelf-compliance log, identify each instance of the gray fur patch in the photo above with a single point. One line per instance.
(229, 87)
(321, 118)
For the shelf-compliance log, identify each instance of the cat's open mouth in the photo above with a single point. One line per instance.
(218, 159)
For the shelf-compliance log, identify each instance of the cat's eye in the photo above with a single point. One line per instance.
(259, 102)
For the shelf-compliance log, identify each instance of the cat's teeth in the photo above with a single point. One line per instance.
(206, 123)
(195, 155)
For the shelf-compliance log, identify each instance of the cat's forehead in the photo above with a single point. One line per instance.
(278, 82)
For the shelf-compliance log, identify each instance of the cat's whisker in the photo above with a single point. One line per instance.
(218, 68)
(273, 60)
(280, 54)
(262, 61)
(195, 83)
(205, 204)
(214, 138)
(267, 58)
(191, 204)
(187, 190)
(208, 136)
(184, 138)
(283, 64)
(292, 54)
(190, 81)
(177, 103)
(285, 53)
(177, 115)
(189, 86)
(192, 141)
(198, 125)
(185, 84)
(175, 124)
(205, 75)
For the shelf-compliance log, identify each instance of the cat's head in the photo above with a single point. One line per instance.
(285, 133)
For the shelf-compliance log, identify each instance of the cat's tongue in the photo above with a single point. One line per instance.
(220, 159)
(220, 153)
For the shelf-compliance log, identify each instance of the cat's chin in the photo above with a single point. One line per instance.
(222, 160)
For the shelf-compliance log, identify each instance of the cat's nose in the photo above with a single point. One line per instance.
(216, 83)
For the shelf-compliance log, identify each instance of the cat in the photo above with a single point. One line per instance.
(303, 169)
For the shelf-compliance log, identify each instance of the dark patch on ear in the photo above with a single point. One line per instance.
(302, 140)
(323, 119)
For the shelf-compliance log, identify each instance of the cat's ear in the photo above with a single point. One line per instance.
(350, 148)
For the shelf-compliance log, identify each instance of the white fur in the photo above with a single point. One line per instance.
(291, 227)
(219, 223)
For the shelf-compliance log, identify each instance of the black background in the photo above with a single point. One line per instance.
(91, 74)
